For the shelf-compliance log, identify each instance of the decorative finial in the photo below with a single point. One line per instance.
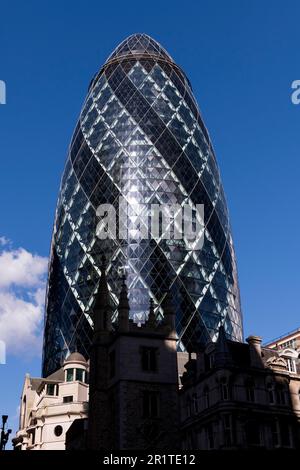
(123, 308)
(222, 353)
(123, 299)
(151, 316)
(102, 297)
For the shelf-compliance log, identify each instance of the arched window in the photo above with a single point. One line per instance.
(206, 396)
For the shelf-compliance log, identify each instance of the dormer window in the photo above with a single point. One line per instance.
(290, 355)
(51, 389)
(291, 365)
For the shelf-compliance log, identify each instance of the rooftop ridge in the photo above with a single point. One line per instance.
(289, 333)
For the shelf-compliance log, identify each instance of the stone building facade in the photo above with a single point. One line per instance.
(240, 396)
(50, 405)
(144, 395)
(133, 378)
(289, 340)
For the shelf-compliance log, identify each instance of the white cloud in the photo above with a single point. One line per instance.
(4, 241)
(19, 267)
(22, 291)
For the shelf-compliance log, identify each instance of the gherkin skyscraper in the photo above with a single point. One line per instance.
(140, 136)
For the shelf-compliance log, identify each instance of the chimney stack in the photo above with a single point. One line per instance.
(255, 350)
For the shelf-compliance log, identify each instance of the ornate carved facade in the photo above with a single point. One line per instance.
(240, 396)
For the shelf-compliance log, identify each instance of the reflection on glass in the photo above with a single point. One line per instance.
(140, 136)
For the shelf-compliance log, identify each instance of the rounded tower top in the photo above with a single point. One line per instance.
(140, 138)
(75, 357)
(139, 44)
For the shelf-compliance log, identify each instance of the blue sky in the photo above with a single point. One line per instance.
(241, 58)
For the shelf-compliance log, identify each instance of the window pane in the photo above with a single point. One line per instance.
(50, 389)
(79, 374)
(70, 375)
(149, 359)
(68, 399)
